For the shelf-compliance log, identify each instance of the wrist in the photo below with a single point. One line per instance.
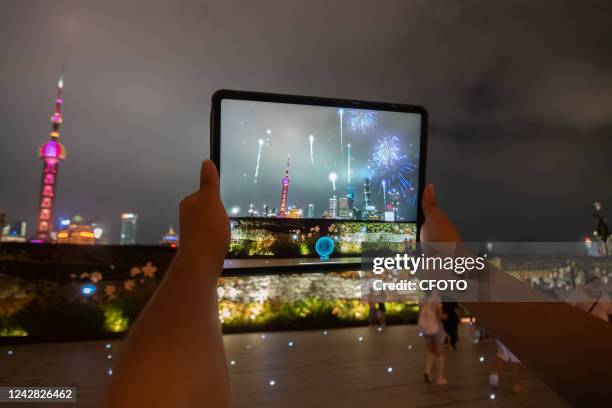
(198, 268)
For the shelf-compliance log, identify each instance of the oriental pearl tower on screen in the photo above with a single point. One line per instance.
(51, 152)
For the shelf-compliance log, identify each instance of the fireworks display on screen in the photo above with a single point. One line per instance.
(297, 161)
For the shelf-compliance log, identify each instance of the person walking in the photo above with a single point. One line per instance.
(430, 323)
(451, 323)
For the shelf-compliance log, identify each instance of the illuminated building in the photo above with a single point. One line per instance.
(333, 205)
(366, 193)
(294, 212)
(265, 211)
(170, 238)
(252, 212)
(285, 186)
(51, 152)
(344, 208)
(78, 232)
(368, 208)
(63, 222)
(128, 228)
(311, 210)
(15, 232)
(394, 195)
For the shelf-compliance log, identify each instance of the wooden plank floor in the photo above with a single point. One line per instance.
(318, 370)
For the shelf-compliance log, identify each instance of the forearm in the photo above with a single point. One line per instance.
(174, 355)
(558, 342)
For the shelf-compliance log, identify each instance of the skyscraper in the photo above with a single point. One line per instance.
(311, 210)
(366, 193)
(285, 186)
(128, 228)
(333, 205)
(78, 232)
(51, 152)
(344, 210)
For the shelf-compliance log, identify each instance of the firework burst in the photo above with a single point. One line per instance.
(361, 121)
(391, 168)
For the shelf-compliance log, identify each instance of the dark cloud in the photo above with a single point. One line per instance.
(519, 94)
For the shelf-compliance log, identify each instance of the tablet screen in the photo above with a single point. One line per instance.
(292, 174)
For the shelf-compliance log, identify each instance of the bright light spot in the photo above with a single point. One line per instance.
(325, 332)
(481, 359)
(272, 383)
(410, 347)
(389, 369)
(252, 317)
(88, 289)
(110, 356)
(10, 352)
(269, 131)
(341, 111)
(263, 336)
(108, 345)
(420, 334)
(233, 362)
(360, 338)
(333, 177)
(98, 233)
(109, 371)
(290, 344)
(379, 329)
(311, 138)
(492, 396)
(235, 210)
(260, 141)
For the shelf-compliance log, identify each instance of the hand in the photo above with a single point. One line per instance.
(204, 225)
(437, 227)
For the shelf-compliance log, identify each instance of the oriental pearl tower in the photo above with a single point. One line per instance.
(51, 152)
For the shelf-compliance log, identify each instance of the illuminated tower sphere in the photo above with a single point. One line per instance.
(285, 185)
(51, 152)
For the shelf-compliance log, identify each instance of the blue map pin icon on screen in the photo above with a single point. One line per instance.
(324, 247)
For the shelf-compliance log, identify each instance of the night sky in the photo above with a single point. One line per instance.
(519, 95)
(284, 129)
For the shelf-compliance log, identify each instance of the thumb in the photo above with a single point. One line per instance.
(209, 176)
(428, 201)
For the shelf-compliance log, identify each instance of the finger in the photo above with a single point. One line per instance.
(428, 202)
(209, 177)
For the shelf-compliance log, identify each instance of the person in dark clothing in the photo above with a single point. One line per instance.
(451, 323)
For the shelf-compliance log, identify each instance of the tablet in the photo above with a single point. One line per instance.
(309, 182)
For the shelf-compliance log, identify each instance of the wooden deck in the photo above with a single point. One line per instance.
(318, 370)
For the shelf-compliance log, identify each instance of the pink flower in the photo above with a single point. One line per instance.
(149, 270)
(129, 284)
